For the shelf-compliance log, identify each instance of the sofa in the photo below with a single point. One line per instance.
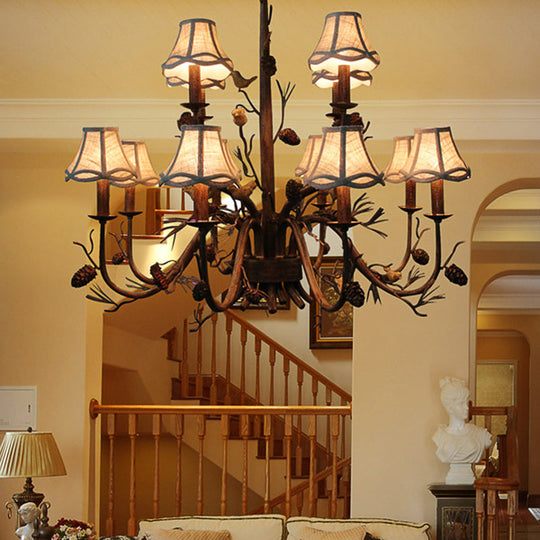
(275, 527)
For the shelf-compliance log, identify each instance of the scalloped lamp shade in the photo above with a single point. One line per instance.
(342, 161)
(200, 158)
(343, 41)
(197, 44)
(101, 157)
(325, 79)
(434, 156)
(313, 148)
(402, 149)
(137, 154)
(28, 454)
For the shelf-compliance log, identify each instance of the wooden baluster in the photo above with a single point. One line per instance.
(244, 433)
(346, 492)
(480, 514)
(272, 362)
(343, 431)
(225, 430)
(132, 432)
(257, 369)
(314, 389)
(156, 433)
(286, 371)
(179, 433)
(243, 341)
(335, 436)
(213, 387)
(491, 525)
(201, 432)
(199, 379)
(312, 433)
(512, 511)
(487, 422)
(109, 523)
(300, 381)
(288, 467)
(327, 442)
(184, 376)
(267, 432)
(299, 503)
(228, 329)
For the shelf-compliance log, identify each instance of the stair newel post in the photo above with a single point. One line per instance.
(225, 427)
(201, 433)
(300, 381)
(228, 329)
(243, 341)
(312, 433)
(111, 430)
(257, 369)
(272, 361)
(213, 387)
(184, 375)
(335, 437)
(132, 433)
(512, 511)
(343, 431)
(156, 434)
(244, 433)
(288, 466)
(267, 432)
(286, 371)
(199, 379)
(178, 434)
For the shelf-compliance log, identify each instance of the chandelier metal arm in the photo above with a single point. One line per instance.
(408, 248)
(290, 205)
(129, 250)
(234, 288)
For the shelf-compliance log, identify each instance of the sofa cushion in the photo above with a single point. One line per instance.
(255, 527)
(385, 529)
(179, 534)
(356, 533)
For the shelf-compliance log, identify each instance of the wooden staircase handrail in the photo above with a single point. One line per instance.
(96, 409)
(287, 354)
(302, 486)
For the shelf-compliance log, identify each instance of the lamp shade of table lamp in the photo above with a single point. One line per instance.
(27, 454)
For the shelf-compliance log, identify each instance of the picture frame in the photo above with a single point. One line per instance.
(330, 330)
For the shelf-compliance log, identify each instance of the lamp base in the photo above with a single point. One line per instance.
(28, 495)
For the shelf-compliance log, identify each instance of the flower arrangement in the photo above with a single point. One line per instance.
(71, 529)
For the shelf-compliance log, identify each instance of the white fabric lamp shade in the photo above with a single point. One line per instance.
(325, 79)
(200, 158)
(311, 153)
(394, 171)
(343, 41)
(434, 156)
(197, 44)
(137, 154)
(230, 161)
(101, 157)
(30, 454)
(342, 161)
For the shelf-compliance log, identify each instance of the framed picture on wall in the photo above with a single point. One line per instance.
(330, 330)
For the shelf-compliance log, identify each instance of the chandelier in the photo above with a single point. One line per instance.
(270, 260)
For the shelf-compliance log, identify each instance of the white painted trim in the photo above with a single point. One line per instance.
(506, 119)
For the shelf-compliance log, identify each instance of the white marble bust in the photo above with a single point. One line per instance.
(459, 443)
(29, 512)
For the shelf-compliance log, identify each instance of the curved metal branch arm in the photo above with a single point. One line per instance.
(129, 252)
(86, 252)
(310, 272)
(237, 272)
(288, 206)
(246, 201)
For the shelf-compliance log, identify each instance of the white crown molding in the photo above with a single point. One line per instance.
(506, 119)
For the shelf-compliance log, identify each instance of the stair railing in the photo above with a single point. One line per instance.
(164, 427)
(500, 477)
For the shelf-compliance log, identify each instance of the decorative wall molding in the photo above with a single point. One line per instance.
(507, 119)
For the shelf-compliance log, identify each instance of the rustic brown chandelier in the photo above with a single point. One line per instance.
(270, 259)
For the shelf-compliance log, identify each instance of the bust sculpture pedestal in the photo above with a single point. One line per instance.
(456, 511)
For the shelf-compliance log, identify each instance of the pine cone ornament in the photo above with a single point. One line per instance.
(420, 256)
(118, 258)
(200, 291)
(292, 191)
(239, 116)
(456, 275)
(289, 136)
(354, 294)
(83, 276)
(159, 277)
(269, 65)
